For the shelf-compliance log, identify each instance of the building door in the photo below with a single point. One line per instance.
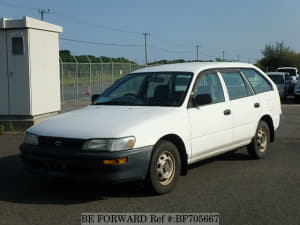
(4, 106)
(18, 72)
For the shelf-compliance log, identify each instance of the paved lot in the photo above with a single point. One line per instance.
(243, 191)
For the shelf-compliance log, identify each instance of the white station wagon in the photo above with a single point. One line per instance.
(151, 124)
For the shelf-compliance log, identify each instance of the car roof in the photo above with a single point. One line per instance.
(276, 73)
(294, 68)
(194, 67)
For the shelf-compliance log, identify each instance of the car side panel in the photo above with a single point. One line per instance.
(246, 112)
(210, 128)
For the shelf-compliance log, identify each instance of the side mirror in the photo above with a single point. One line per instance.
(202, 99)
(94, 97)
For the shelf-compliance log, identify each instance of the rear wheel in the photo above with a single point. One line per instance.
(260, 143)
(164, 168)
(285, 95)
(297, 99)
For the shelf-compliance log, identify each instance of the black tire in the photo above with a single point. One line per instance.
(297, 99)
(164, 169)
(259, 146)
(285, 95)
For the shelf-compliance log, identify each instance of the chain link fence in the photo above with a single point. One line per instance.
(79, 80)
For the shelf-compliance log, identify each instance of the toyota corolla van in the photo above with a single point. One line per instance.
(151, 124)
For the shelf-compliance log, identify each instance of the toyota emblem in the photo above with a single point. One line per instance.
(58, 143)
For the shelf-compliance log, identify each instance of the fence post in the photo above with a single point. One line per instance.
(76, 77)
(112, 70)
(121, 66)
(62, 79)
(90, 73)
(101, 76)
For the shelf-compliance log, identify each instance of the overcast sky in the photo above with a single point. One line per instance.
(240, 28)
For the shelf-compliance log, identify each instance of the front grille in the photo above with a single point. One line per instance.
(60, 142)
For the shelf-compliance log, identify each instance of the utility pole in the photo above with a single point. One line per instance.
(238, 58)
(223, 55)
(146, 60)
(42, 12)
(197, 46)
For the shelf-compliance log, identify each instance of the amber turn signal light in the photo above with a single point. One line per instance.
(115, 161)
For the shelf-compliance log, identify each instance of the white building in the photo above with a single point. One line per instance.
(29, 69)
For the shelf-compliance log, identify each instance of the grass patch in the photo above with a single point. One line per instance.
(70, 80)
(11, 127)
(2, 129)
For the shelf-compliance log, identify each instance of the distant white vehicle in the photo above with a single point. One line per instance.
(292, 71)
(151, 124)
(288, 82)
(297, 90)
(281, 83)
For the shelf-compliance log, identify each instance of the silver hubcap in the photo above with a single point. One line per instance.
(165, 168)
(261, 140)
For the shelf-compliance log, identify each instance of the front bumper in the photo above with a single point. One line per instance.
(81, 165)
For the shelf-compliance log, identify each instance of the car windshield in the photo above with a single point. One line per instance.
(148, 89)
(292, 72)
(277, 79)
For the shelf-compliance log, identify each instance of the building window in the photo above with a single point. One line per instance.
(17, 46)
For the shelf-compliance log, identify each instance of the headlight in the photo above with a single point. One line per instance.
(31, 139)
(118, 144)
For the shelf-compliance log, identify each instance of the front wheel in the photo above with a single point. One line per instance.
(260, 143)
(164, 168)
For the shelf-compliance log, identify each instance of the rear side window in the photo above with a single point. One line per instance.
(236, 85)
(258, 82)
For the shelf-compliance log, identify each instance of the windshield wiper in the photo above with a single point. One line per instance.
(160, 104)
(115, 103)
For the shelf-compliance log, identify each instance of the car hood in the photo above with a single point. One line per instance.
(105, 122)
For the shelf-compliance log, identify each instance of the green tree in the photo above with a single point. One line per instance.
(66, 56)
(278, 55)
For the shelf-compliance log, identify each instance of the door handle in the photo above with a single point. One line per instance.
(256, 105)
(227, 112)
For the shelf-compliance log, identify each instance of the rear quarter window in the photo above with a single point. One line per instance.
(258, 81)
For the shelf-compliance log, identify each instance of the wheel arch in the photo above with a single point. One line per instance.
(268, 119)
(178, 142)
